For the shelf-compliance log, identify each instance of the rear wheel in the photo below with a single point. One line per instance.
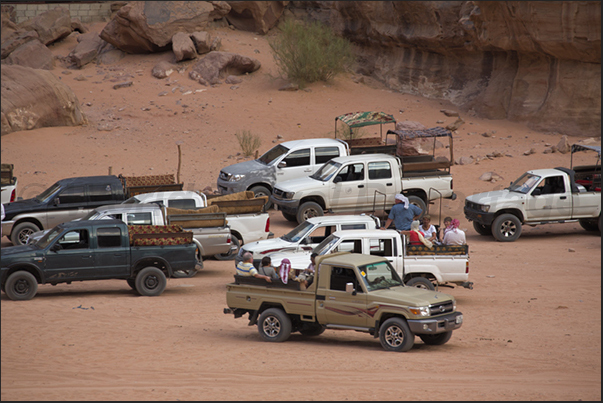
(420, 282)
(21, 232)
(232, 253)
(309, 210)
(274, 325)
(482, 229)
(21, 286)
(395, 335)
(589, 224)
(184, 273)
(417, 201)
(436, 339)
(506, 228)
(289, 217)
(132, 283)
(150, 282)
(311, 329)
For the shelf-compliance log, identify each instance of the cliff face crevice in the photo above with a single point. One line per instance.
(537, 62)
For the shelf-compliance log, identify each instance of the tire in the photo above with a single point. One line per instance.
(132, 283)
(420, 282)
(436, 339)
(312, 329)
(184, 273)
(506, 228)
(417, 201)
(231, 254)
(482, 229)
(274, 325)
(262, 191)
(150, 282)
(21, 286)
(395, 335)
(589, 225)
(289, 217)
(309, 210)
(20, 233)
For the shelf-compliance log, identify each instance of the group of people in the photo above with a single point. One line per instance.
(285, 272)
(405, 217)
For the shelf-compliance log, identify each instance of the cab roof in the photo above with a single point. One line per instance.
(349, 259)
(312, 142)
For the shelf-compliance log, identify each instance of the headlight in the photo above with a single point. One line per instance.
(484, 207)
(454, 306)
(236, 177)
(288, 195)
(420, 311)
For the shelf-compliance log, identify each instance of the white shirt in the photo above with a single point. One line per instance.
(429, 232)
(454, 237)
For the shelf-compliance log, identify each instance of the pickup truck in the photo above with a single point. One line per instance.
(307, 235)
(244, 227)
(287, 160)
(211, 235)
(9, 184)
(73, 198)
(418, 266)
(540, 196)
(144, 256)
(349, 292)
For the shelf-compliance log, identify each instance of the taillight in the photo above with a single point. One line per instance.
(451, 187)
(229, 239)
(467, 267)
(13, 195)
(267, 229)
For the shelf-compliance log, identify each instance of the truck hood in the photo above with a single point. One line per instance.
(11, 251)
(295, 185)
(36, 236)
(20, 206)
(299, 259)
(268, 244)
(495, 196)
(246, 167)
(411, 296)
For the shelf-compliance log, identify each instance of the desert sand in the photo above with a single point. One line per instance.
(532, 328)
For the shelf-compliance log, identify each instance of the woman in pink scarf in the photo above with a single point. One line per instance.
(454, 235)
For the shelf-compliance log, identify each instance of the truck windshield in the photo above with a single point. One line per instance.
(326, 171)
(49, 237)
(326, 245)
(298, 232)
(274, 153)
(379, 276)
(48, 193)
(525, 182)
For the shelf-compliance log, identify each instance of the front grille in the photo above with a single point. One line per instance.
(472, 206)
(439, 309)
(224, 175)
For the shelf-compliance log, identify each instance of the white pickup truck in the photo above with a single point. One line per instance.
(540, 196)
(243, 227)
(9, 184)
(418, 266)
(307, 235)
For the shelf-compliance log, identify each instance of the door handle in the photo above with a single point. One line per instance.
(563, 197)
(331, 297)
(307, 170)
(388, 184)
(360, 186)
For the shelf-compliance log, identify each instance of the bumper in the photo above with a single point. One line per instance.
(288, 206)
(7, 227)
(478, 216)
(437, 325)
(230, 187)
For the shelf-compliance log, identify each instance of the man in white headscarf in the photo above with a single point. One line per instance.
(402, 214)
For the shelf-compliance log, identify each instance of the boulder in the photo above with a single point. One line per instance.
(149, 26)
(255, 16)
(163, 69)
(86, 50)
(563, 146)
(76, 25)
(220, 64)
(32, 54)
(16, 38)
(490, 177)
(455, 125)
(465, 161)
(35, 98)
(51, 25)
(183, 47)
(202, 41)
(409, 125)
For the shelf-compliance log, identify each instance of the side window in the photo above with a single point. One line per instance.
(72, 195)
(320, 233)
(138, 218)
(379, 170)
(352, 172)
(353, 226)
(340, 276)
(182, 203)
(349, 245)
(551, 185)
(76, 239)
(108, 237)
(298, 158)
(381, 247)
(100, 193)
(324, 154)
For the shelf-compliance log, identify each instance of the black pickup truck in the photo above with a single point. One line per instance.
(143, 255)
(72, 198)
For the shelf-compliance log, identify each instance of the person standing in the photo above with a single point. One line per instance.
(402, 214)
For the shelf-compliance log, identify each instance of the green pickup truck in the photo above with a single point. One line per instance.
(350, 292)
(143, 255)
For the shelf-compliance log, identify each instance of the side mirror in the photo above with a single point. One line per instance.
(349, 288)
(282, 164)
(56, 247)
(337, 179)
(537, 192)
(57, 201)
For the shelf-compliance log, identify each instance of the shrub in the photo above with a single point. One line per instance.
(310, 52)
(248, 142)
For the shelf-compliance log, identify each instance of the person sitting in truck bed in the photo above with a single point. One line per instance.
(266, 268)
(455, 236)
(416, 237)
(245, 268)
(428, 230)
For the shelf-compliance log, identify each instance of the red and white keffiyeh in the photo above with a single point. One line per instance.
(284, 270)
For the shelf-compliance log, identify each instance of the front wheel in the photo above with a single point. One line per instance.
(436, 339)
(21, 286)
(274, 325)
(132, 283)
(21, 232)
(420, 282)
(309, 210)
(289, 217)
(259, 191)
(506, 228)
(482, 229)
(311, 329)
(395, 335)
(150, 282)
(230, 255)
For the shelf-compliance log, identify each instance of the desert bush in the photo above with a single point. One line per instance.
(248, 142)
(310, 52)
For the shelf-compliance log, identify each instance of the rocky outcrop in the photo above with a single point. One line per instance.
(255, 16)
(34, 98)
(149, 26)
(537, 62)
(51, 25)
(215, 65)
(32, 54)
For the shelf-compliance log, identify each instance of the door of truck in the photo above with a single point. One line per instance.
(296, 164)
(381, 179)
(348, 189)
(550, 199)
(341, 307)
(112, 254)
(67, 205)
(72, 259)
